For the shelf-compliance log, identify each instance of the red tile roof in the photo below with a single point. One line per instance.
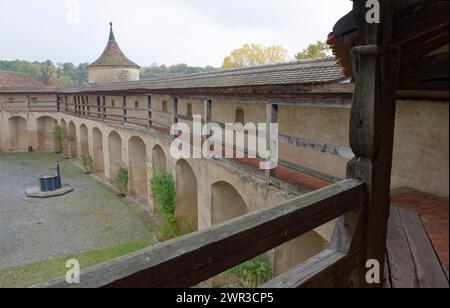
(19, 80)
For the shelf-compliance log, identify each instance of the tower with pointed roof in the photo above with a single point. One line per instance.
(113, 65)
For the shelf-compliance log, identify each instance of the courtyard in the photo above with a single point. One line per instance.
(37, 236)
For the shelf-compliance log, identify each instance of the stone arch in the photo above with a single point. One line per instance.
(45, 126)
(65, 143)
(186, 204)
(84, 140)
(97, 138)
(115, 154)
(159, 160)
(137, 150)
(226, 203)
(73, 140)
(18, 133)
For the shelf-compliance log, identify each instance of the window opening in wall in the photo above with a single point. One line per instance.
(240, 116)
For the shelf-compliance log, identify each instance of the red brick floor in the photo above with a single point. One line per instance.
(434, 212)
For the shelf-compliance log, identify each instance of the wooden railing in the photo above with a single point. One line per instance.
(192, 259)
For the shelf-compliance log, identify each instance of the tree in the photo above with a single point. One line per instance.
(255, 54)
(318, 50)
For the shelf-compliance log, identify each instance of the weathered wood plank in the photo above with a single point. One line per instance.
(428, 269)
(412, 260)
(401, 264)
(189, 260)
(325, 270)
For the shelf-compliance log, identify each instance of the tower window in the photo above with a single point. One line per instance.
(113, 103)
(240, 116)
(136, 105)
(34, 100)
(164, 106)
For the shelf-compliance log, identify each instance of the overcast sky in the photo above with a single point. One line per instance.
(196, 32)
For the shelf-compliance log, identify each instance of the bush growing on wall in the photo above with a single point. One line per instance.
(87, 162)
(121, 179)
(59, 137)
(163, 189)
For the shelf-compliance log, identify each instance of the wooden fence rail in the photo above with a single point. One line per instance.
(189, 260)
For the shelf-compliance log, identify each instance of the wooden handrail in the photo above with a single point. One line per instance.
(189, 260)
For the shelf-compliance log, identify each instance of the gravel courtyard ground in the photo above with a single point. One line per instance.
(91, 217)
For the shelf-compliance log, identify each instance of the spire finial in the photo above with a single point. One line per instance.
(111, 32)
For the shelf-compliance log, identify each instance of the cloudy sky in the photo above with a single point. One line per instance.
(196, 32)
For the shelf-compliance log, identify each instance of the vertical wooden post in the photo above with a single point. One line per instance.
(207, 113)
(174, 110)
(149, 111)
(58, 98)
(99, 108)
(28, 103)
(66, 104)
(77, 105)
(88, 107)
(271, 118)
(372, 127)
(83, 106)
(104, 108)
(124, 109)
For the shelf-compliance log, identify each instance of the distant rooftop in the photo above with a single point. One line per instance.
(19, 81)
(113, 56)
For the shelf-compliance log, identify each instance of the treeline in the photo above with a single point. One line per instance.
(62, 74)
(66, 74)
(163, 71)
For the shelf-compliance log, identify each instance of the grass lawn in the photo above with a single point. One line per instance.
(40, 272)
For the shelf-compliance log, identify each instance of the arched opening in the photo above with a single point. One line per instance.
(18, 133)
(159, 160)
(65, 133)
(97, 138)
(115, 154)
(45, 126)
(226, 203)
(186, 204)
(73, 140)
(138, 167)
(84, 140)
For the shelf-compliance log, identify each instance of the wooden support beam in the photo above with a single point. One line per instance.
(104, 107)
(372, 130)
(174, 110)
(149, 111)
(271, 137)
(28, 103)
(66, 103)
(124, 109)
(207, 113)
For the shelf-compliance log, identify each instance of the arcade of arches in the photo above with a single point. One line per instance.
(207, 191)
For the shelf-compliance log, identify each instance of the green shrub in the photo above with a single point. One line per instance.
(59, 137)
(253, 273)
(163, 189)
(168, 228)
(121, 179)
(87, 162)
